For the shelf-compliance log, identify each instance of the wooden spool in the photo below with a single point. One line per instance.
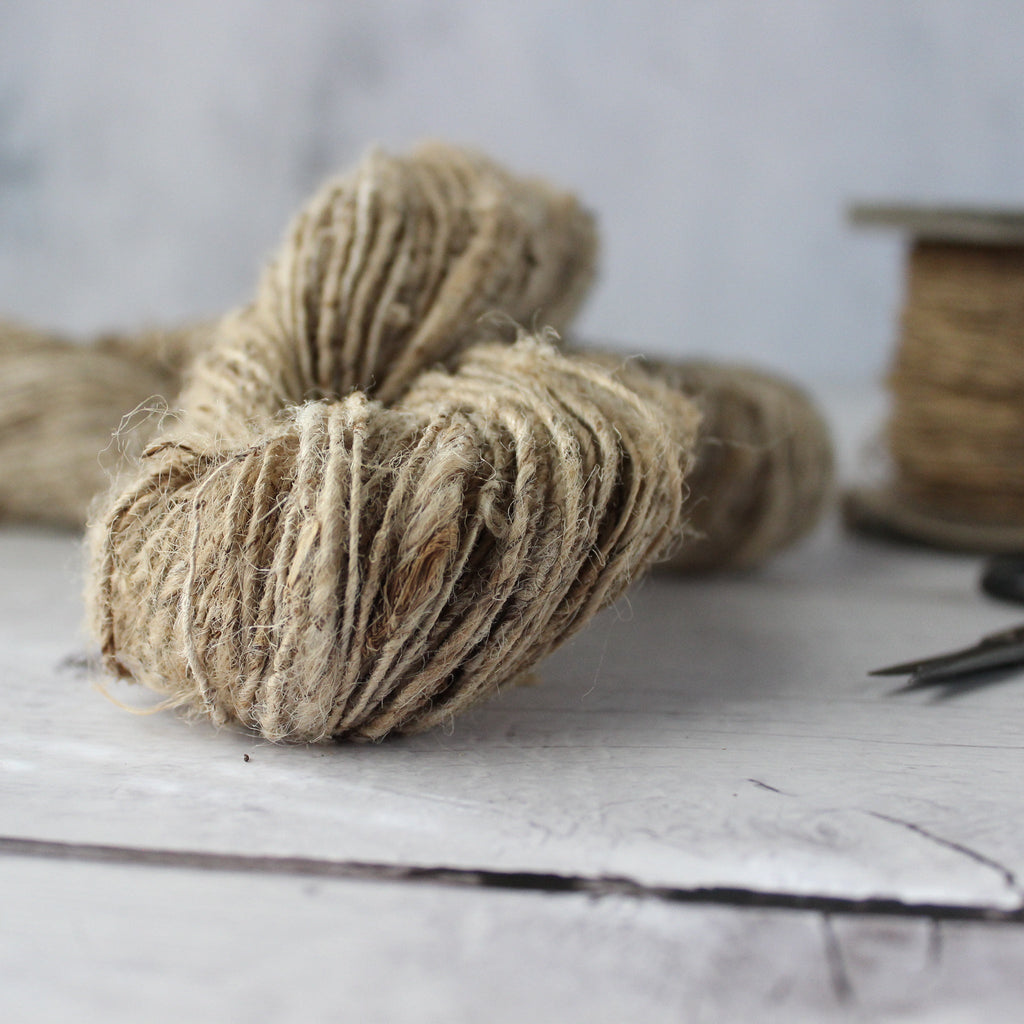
(957, 380)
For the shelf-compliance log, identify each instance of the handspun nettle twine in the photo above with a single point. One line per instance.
(370, 500)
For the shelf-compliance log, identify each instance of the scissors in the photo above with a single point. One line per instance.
(1002, 578)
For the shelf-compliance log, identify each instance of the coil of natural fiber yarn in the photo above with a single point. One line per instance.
(375, 502)
(955, 434)
(315, 562)
(361, 569)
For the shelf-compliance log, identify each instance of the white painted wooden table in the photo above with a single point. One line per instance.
(707, 812)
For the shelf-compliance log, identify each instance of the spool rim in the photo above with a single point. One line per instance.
(964, 223)
(883, 512)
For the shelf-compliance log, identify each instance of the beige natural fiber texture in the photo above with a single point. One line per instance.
(335, 541)
(359, 569)
(956, 429)
(377, 499)
(763, 465)
(60, 404)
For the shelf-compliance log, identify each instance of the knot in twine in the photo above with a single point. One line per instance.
(377, 500)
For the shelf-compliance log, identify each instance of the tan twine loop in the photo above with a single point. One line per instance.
(374, 502)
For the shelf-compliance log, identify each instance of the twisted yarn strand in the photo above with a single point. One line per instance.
(389, 270)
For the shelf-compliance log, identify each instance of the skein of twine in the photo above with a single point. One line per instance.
(762, 467)
(60, 405)
(333, 539)
(955, 433)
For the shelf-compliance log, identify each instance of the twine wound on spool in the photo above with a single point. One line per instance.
(955, 434)
(375, 503)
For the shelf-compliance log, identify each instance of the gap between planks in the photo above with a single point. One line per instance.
(485, 878)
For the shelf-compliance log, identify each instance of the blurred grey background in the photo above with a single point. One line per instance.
(151, 154)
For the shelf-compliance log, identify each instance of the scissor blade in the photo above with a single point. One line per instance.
(969, 662)
(906, 667)
(993, 651)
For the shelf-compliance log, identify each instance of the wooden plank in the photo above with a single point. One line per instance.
(99, 942)
(710, 733)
